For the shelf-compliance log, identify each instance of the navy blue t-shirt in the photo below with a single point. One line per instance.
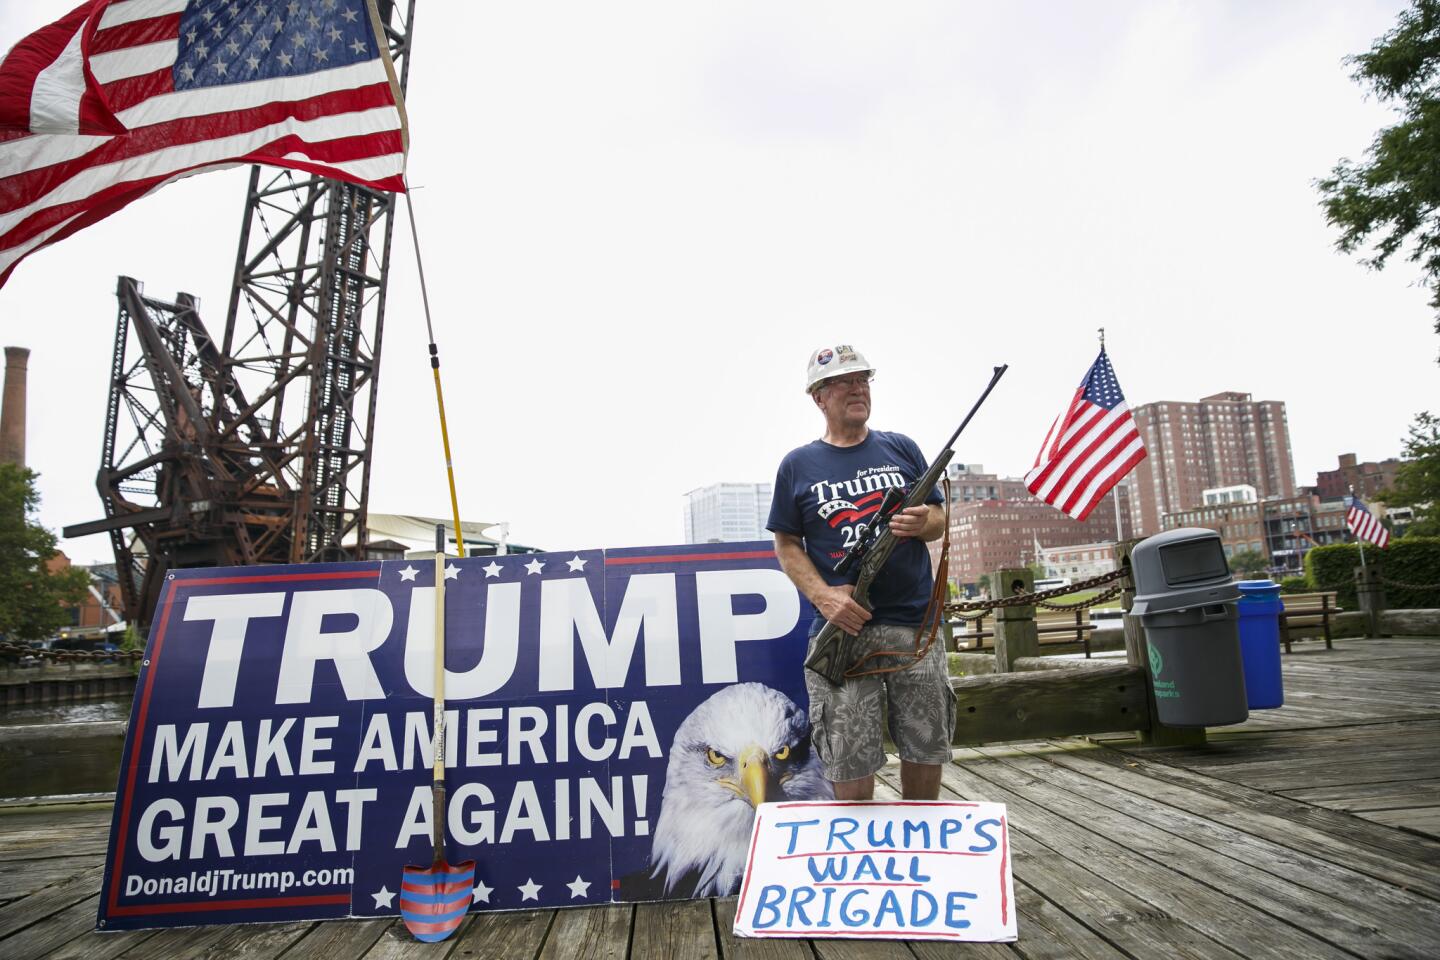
(824, 494)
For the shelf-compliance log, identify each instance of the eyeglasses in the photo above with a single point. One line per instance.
(854, 380)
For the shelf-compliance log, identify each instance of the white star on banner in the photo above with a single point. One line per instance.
(575, 563)
(349, 15)
(580, 888)
(452, 572)
(407, 575)
(534, 566)
(481, 892)
(529, 890)
(492, 569)
(384, 899)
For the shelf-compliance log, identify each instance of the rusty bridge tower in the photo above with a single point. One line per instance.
(253, 445)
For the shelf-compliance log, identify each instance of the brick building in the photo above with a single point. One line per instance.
(1281, 529)
(1368, 478)
(1223, 440)
(995, 522)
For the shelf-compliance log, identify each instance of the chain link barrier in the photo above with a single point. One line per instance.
(1026, 599)
(1402, 585)
(10, 648)
(1099, 598)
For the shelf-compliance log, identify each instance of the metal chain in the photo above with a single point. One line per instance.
(1110, 594)
(12, 649)
(1026, 599)
(1408, 586)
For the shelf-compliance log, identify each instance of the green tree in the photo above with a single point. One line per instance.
(31, 597)
(1391, 202)
(1417, 483)
(1247, 564)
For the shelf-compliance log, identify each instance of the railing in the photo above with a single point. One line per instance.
(1050, 623)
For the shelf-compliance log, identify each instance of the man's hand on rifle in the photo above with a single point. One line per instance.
(921, 522)
(836, 606)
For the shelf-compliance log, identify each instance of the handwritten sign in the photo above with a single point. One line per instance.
(907, 870)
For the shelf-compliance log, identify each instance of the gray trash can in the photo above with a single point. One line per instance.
(1188, 605)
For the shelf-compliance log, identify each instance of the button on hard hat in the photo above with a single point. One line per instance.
(829, 362)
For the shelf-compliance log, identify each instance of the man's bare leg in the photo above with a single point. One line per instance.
(861, 789)
(918, 781)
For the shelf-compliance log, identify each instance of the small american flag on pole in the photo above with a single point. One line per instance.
(187, 86)
(1363, 524)
(1090, 446)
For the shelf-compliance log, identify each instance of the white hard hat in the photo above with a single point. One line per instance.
(829, 362)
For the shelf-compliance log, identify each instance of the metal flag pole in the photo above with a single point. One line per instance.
(1115, 492)
(1359, 540)
(435, 367)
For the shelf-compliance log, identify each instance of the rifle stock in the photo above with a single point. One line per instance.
(834, 651)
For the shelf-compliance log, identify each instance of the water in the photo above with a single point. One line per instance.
(86, 711)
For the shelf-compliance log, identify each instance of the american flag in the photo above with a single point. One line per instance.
(1363, 524)
(1090, 446)
(190, 86)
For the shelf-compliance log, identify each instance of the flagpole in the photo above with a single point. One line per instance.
(1359, 541)
(1114, 493)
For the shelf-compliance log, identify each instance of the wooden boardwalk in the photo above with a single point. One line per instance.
(1312, 831)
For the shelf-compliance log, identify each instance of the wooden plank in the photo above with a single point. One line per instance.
(503, 935)
(1133, 925)
(20, 878)
(55, 931)
(1315, 895)
(1017, 706)
(100, 946)
(396, 943)
(749, 948)
(1152, 874)
(1329, 835)
(1419, 819)
(861, 950)
(591, 933)
(677, 930)
(338, 939)
(49, 900)
(1391, 794)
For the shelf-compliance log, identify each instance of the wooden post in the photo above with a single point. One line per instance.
(1371, 593)
(1137, 654)
(1015, 633)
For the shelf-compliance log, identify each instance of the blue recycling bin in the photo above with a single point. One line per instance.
(1260, 609)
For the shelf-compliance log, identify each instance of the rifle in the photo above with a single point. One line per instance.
(834, 654)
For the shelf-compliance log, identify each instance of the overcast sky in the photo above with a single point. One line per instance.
(639, 218)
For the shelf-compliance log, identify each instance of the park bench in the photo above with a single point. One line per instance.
(1307, 616)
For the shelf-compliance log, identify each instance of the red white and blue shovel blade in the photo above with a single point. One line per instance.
(434, 899)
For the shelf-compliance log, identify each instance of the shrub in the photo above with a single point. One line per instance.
(1294, 585)
(1414, 560)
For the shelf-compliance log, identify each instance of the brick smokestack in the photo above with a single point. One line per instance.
(12, 413)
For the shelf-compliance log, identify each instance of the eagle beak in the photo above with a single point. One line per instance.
(754, 777)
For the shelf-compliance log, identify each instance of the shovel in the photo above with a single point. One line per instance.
(434, 899)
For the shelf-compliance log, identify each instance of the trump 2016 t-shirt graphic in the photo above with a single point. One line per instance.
(828, 495)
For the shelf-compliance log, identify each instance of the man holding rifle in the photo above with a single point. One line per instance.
(826, 492)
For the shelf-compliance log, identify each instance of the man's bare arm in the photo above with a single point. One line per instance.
(834, 603)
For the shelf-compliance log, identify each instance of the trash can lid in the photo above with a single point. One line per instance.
(1164, 601)
(1258, 589)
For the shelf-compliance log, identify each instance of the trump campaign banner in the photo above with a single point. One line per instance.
(613, 721)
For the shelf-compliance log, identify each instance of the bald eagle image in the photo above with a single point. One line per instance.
(745, 745)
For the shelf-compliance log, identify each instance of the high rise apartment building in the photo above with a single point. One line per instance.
(1223, 440)
(727, 512)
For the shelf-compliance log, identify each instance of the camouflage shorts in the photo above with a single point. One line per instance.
(846, 721)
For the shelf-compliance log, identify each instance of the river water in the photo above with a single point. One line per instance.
(87, 712)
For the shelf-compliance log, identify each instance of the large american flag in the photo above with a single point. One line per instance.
(1091, 445)
(1363, 524)
(190, 86)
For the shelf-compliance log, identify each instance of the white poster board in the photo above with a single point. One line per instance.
(906, 870)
